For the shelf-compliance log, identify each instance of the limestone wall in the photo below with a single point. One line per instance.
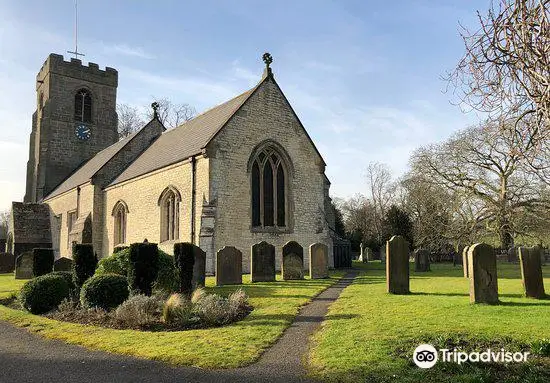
(266, 115)
(61, 205)
(141, 195)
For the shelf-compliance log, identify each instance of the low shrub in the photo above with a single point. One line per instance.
(118, 263)
(139, 310)
(143, 270)
(43, 260)
(119, 248)
(541, 347)
(214, 310)
(85, 263)
(177, 310)
(197, 295)
(104, 291)
(44, 293)
(68, 276)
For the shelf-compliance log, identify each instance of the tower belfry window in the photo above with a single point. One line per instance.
(83, 106)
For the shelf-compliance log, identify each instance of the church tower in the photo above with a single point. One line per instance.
(75, 118)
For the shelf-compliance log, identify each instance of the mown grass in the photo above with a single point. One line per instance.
(275, 306)
(370, 335)
(9, 285)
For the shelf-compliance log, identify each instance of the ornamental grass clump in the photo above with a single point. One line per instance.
(177, 310)
(139, 311)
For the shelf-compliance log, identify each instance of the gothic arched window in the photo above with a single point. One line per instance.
(120, 213)
(169, 203)
(83, 106)
(269, 188)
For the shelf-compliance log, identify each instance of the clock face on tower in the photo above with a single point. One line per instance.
(83, 132)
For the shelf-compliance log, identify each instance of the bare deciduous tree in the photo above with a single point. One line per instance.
(483, 164)
(4, 223)
(129, 120)
(382, 191)
(506, 68)
(171, 115)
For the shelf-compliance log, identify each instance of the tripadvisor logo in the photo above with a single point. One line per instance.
(426, 356)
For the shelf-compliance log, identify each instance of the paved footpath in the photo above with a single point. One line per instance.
(26, 358)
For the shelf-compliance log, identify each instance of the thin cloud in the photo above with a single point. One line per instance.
(127, 50)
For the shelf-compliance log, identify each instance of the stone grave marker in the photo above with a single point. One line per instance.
(531, 271)
(262, 262)
(23, 265)
(368, 255)
(229, 266)
(63, 264)
(293, 261)
(465, 261)
(318, 261)
(199, 267)
(482, 270)
(397, 265)
(421, 260)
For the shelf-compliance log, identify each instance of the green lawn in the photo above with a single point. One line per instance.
(9, 285)
(370, 335)
(275, 306)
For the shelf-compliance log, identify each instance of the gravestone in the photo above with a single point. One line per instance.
(368, 257)
(421, 260)
(397, 265)
(23, 265)
(262, 262)
(318, 261)
(293, 261)
(7, 263)
(531, 271)
(361, 253)
(229, 266)
(512, 254)
(199, 267)
(63, 264)
(482, 269)
(465, 261)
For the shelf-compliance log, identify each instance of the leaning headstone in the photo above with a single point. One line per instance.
(318, 261)
(397, 265)
(293, 261)
(482, 269)
(421, 260)
(531, 271)
(229, 266)
(23, 265)
(63, 264)
(465, 261)
(262, 262)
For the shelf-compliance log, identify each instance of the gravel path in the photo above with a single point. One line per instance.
(25, 357)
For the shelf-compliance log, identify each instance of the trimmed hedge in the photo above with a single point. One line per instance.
(185, 260)
(85, 262)
(68, 276)
(104, 291)
(119, 263)
(143, 270)
(44, 293)
(42, 262)
(120, 248)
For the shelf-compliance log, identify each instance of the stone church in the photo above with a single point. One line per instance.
(240, 173)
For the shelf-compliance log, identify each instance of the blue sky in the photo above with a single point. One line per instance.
(363, 76)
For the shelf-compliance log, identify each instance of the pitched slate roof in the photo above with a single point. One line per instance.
(84, 173)
(185, 140)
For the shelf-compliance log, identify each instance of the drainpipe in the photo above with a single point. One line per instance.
(193, 193)
(77, 201)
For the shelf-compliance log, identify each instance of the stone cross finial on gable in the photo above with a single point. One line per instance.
(155, 106)
(267, 59)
